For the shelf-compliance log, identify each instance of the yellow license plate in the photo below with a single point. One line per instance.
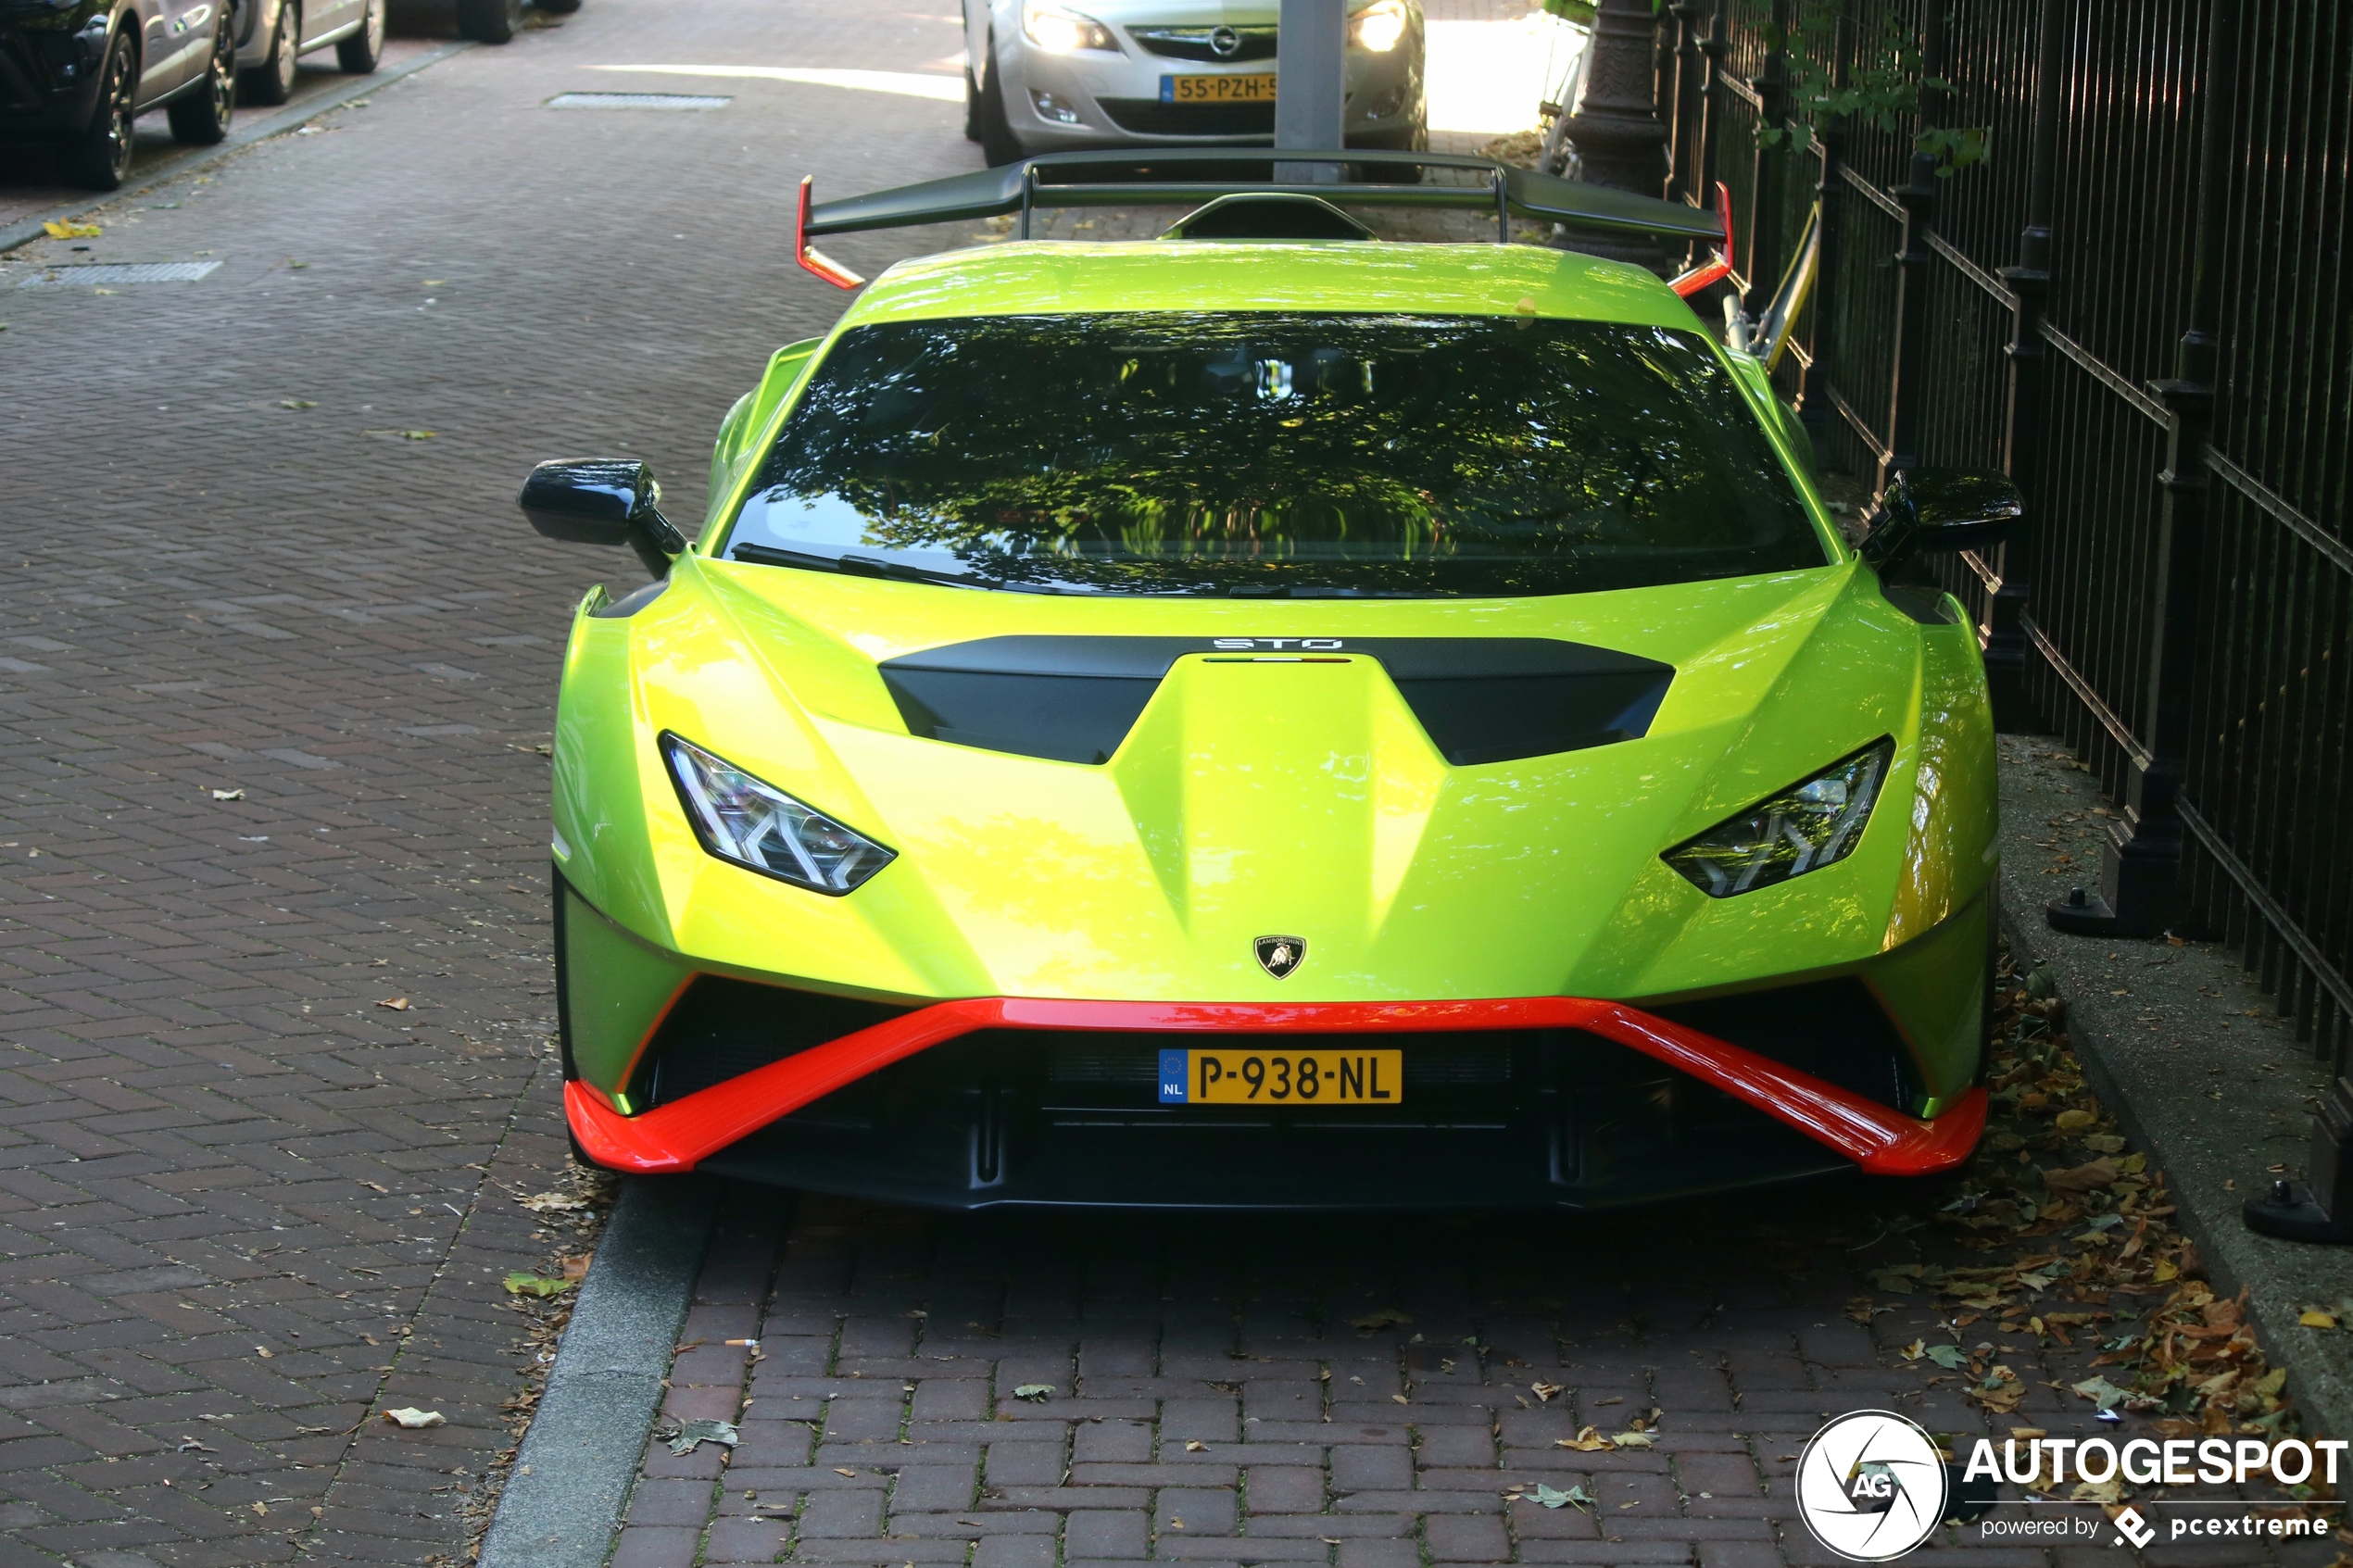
(1218, 89)
(1281, 1077)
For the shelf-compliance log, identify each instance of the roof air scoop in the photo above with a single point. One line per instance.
(1271, 216)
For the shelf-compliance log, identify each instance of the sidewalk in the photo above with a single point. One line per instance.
(2196, 1064)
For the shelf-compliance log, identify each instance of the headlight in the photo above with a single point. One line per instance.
(742, 819)
(1803, 828)
(1050, 27)
(1379, 26)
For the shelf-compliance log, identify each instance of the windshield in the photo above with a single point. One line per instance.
(1244, 453)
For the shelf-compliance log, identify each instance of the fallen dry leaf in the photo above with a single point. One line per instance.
(1545, 1392)
(227, 794)
(2001, 1391)
(1374, 1321)
(413, 1418)
(2099, 1173)
(70, 230)
(541, 1202)
(397, 1004)
(699, 1432)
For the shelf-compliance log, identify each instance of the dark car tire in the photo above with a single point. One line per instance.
(996, 138)
(489, 21)
(200, 116)
(272, 80)
(971, 106)
(100, 158)
(359, 53)
(560, 8)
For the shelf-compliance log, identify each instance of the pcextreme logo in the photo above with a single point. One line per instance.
(1872, 1486)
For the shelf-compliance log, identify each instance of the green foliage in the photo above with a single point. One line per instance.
(1882, 86)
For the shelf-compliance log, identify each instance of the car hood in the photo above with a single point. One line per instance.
(1257, 793)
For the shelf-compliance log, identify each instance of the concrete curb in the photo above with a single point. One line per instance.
(2221, 1107)
(571, 1478)
(288, 119)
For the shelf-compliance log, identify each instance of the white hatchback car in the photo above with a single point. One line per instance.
(1048, 76)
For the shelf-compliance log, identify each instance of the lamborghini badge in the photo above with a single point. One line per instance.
(1279, 955)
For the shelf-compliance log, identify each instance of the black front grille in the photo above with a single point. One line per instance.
(1549, 1117)
(1150, 117)
(722, 1029)
(1201, 43)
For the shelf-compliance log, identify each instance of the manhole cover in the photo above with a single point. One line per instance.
(636, 101)
(81, 274)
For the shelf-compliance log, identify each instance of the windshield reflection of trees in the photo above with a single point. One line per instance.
(1222, 453)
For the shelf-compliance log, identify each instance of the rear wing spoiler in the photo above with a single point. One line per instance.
(1060, 179)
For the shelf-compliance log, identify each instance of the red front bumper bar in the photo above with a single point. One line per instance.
(679, 1135)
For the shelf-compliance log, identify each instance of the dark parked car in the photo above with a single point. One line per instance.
(76, 73)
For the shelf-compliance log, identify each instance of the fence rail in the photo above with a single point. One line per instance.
(2133, 304)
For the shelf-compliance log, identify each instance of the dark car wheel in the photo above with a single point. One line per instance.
(200, 116)
(971, 106)
(101, 157)
(272, 80)
(489, 21)
(560, 8)
(996, 138)
(359, 53)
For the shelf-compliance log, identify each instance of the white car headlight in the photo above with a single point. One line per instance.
(754, 826)
(1379, 26)
(1802, 829)
(1063, 31)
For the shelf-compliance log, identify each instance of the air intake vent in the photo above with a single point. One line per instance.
(1834, 1030)
(722, 1029)
(1074, 699)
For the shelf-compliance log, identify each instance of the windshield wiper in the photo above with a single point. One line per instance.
(860, 565)
(1315, 591)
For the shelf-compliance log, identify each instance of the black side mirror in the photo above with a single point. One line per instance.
(608, 502)
(1936, 510)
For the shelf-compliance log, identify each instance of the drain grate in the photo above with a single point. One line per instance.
(636, 101)
(81, 274)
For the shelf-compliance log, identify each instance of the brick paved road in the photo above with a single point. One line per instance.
(244, 1206)
(1352, 1394)
(30, 182)
(232, 1184)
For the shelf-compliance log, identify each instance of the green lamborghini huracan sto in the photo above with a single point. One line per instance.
(1269, 716)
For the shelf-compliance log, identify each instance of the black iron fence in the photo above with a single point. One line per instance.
(2136, 303)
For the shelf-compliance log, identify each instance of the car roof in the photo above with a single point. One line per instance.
(1061, 277)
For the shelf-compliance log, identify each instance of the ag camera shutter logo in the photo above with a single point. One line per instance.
(1872, 1486)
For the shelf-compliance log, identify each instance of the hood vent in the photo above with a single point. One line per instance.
(1479, 699)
